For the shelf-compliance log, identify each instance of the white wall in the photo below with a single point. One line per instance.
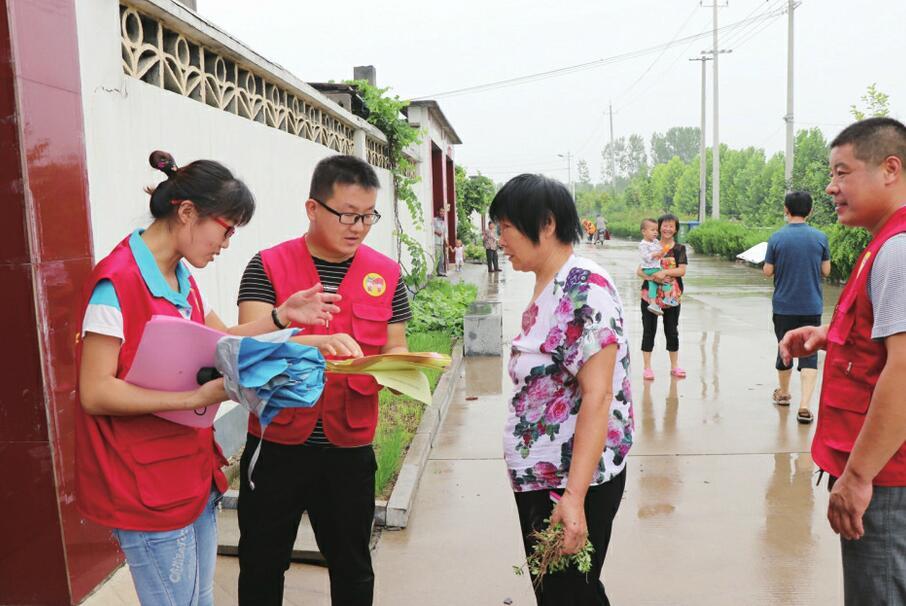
(126, 119)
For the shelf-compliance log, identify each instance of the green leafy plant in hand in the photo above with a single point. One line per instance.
(547, 555)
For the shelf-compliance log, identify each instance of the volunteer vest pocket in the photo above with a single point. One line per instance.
(168, 470)
(369, 323)
(361, 403)
(851, 391)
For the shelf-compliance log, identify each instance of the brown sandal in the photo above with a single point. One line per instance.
(804, 416)
(781, 399)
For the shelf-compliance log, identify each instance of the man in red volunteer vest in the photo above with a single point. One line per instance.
(320, 460)
(860, 440)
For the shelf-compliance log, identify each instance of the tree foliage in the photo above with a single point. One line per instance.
(875, 104)
(682, 141)
(473, 195)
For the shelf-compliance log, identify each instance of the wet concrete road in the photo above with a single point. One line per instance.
(720, 506)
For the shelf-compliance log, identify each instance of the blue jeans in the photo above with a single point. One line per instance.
(174, 567)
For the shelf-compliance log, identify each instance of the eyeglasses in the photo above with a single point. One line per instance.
(352, 218)
(230, 229)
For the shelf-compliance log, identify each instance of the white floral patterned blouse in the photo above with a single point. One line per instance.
(578, 314)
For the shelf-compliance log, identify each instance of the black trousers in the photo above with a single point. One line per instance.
(493, 260)
(336, 487)
(671, 327)
(571, 587)
(782, 325)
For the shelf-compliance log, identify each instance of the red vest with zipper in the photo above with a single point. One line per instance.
(349, 405)
(851, 369)
(141, 472)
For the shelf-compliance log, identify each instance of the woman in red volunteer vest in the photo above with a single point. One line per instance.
(155, 482)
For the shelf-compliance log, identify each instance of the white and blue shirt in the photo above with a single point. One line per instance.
(104, 315)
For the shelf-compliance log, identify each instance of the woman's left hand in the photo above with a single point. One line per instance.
(311, 306)
(570, 512)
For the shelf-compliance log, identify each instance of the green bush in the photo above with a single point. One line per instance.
(625, 228)
(475, 252)
(441, 306)
(846, 244)
(726, 238)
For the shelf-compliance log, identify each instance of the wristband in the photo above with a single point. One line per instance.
(276, 320)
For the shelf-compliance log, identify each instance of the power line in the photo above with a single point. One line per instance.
(757, 31)
(570, 69)
(764, 12)
(661, 54)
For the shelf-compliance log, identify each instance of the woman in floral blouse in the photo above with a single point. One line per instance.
(570, 422)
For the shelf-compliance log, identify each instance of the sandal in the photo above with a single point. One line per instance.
(804, 416)
(678, 372)
(648, 374)
(781, 399)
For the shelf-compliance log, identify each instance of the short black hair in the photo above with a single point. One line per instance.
(798, 203)
(530, 202)
(665, 218)
(347, 170)
(874, 139)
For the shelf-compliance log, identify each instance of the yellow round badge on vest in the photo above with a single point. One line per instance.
(374, 284)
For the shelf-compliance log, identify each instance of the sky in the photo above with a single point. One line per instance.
(420, 49)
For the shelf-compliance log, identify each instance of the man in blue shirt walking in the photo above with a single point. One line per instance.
(798, 257)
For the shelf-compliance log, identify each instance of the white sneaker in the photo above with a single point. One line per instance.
(655, 310)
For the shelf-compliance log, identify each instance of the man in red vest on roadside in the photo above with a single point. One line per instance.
(320, 460)
(861, 429)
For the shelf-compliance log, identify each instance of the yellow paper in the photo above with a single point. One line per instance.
(401, 371)
(397, 361)
(412, 383)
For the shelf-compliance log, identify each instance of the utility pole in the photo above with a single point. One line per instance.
(702, 165)
(613, 163)
(569, 172)
(715, 153)
(788, 172)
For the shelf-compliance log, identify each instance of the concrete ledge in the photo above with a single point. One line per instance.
(399, 506)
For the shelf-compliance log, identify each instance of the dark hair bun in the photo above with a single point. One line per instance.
(163, 162)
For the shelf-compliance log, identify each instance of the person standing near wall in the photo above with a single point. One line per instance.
(157, 483)
(440, 246)
(860, 440)
(320, 459)
(490, 240)
(798, 256)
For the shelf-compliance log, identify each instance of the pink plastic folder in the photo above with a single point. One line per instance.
(171, 352)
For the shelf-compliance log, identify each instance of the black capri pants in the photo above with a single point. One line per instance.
(782, 325)
(671, 330)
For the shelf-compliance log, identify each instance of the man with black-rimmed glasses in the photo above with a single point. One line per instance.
(320, 459)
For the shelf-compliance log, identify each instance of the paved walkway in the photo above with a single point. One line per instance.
(720, 505)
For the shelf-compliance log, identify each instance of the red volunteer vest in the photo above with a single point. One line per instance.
(349, 405)
(851, 370)
(141, 472)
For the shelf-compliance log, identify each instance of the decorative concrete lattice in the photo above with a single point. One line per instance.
(163, 57)
(378, 153)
